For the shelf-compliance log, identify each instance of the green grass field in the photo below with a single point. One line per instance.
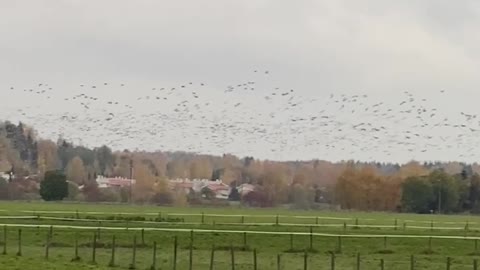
(272, 233)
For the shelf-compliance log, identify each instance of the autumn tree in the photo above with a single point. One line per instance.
(161, 192)
(200, 169)
(9, 156)
(274, 184)
(92, 192)
(301, 178)
(179, 197)
(453, 168)
(47, 156)
(412, 168)
(145, 180)
(177, 169)
(76, 171)
(252, 172)
(229, 175)
(366, 189)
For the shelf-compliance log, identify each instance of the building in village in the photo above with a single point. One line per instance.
(244, 189)
(110, 182)
(4, 175)
(220, 189)
(7, 175)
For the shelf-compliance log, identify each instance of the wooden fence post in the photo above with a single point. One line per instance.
(203, 218)
(112, 255)
(244, 240)
(232, 255)
(449, 262)
(396, 224)
(311, 238)
(475, 264)
(431, 225)
(191, 237)
(276, 220)
(279, 262)
(4, 240)
(47, 246)
(385, 243)
(382, 264)
(134, 252)
(143, 236)
(344, 226)
(212, 256)
(291, 242)
(175, 244)
(339, 244)
(358, 262)
(19, 252)
(190, 262)
(154, 256)
(254, 259)
(94, 248)
(412, 262)
(332, 261)
(305, 261)
(243, 219)
(430, 243)
(75, 252)
(316, 220)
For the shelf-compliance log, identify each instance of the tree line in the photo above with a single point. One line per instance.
(412, 187)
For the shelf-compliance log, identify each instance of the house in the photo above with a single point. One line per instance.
(4, 175)
(220, 189)
(108, 182)
(244, 189)
(7, 175)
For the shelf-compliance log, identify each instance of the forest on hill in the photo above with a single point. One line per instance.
(414, 187)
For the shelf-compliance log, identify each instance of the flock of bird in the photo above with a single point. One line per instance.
(252, 117)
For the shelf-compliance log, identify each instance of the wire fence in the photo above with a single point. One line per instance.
(182, 257)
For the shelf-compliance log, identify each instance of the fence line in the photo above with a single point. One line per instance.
(338, 225)
(243, 231)
(240, 215)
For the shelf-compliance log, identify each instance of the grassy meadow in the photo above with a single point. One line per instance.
(298, 239)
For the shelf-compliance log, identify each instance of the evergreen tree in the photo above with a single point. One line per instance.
(54, 186)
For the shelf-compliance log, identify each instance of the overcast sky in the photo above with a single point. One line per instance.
(315, 47)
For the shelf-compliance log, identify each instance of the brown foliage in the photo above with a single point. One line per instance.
(366, 189)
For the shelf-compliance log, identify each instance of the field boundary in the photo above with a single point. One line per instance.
(273, 216)
(337, 225)
(241, 231)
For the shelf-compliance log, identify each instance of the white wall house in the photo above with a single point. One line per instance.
(5, 176)
(107, 182)
(220, 189)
